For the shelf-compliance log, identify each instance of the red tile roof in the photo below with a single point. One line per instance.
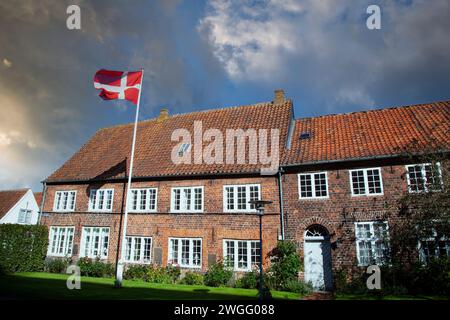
(8, 198)
(106, 154)
(38, 197)
(369, 134)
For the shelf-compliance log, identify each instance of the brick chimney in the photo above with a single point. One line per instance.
(163, 114)
(279, 96)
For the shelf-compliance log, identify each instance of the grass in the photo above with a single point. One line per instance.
(40, 285)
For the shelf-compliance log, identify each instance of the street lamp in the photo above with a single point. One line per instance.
(259, 205)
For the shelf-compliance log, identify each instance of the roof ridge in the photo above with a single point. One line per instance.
(376, 110)
(254, 105)
(15, 190)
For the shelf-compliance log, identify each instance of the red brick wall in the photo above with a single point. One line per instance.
(302, 213)
(213, 225)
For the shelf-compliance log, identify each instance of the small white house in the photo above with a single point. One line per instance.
(19, 206)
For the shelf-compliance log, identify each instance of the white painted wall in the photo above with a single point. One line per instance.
(26, 202)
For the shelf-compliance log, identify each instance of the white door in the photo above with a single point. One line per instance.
(314, 268)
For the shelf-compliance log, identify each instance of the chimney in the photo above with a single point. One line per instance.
(163, 114)
(279, 96)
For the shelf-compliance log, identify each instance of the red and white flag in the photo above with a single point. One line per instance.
(118, 84)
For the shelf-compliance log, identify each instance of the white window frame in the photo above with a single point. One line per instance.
(235, 197)
(235, 263)
(141, 249)
(180, 252)
(105, 201)
(372, 240)
(58, 201)
(182, 199)
(91, 244)
(52, 250)
(138, 200)
(313, 185)
(366, 183)
(24, 216)
(424, 176)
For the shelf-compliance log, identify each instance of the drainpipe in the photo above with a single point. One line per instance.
(280, 190)
(44, 193)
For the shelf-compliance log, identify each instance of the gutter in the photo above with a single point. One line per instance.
(280, 190)
(41, 209)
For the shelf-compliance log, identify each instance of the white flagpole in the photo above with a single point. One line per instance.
(120, 265)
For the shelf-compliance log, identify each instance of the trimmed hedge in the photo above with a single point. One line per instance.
(23, 247)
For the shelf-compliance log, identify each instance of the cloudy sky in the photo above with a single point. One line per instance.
(201, 55)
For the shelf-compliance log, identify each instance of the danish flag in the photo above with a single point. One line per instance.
(118, 84)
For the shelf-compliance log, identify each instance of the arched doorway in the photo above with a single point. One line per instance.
(317, 249)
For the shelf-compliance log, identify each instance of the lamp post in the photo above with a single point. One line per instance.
(259, 205)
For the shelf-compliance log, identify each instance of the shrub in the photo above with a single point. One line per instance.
(174, 272)
(23, 248)
(285, 264)
(217, 275)
(158, 275)
(298, 286)
(192, 278)
(249, 280)
(95, 268)
(57, 265)
(136, 272)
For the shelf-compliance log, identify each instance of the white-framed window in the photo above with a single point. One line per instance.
(60, 241)
(101, 200)
(187, 199)
(138, 249)
(236, 197)
(371, 242)
(65, 201)
(185, 252)
(24, 216)
(424, 177)
(313, 185)
(435, 246)
(366, 182)
(94, 242)
(143, 200)
(241, 255)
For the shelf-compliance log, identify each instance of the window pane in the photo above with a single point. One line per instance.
(320, 184)
(358, 182)
(198, 199)
(242, 255)
(197, 251)
(229, 254)
(416, 181)
(185, 252)
(374, 181)
(241, 198)
(255, 252)
(305, 186)
(254, 195)
(147, 249)
(152, 199)
(229, 191)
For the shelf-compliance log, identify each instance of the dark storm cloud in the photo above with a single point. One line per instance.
(48, 106)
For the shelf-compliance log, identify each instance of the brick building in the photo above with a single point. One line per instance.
(332, 185)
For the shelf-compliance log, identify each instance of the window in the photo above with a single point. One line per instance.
(434, 247)
(138, 249)
(94, 242)
(64, 201)
(60, 241)
(236, 198)
(184, 148)
(366, 182)
(24, 216)
(143, 200)
(241, 255)
(313, 185)
(371, 242)
(185, 252)
(424, 177)
(189, 199)
(101, 200)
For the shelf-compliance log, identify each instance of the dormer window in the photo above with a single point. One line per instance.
(184, 148)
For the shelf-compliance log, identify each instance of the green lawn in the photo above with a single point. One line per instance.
(39, 285)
